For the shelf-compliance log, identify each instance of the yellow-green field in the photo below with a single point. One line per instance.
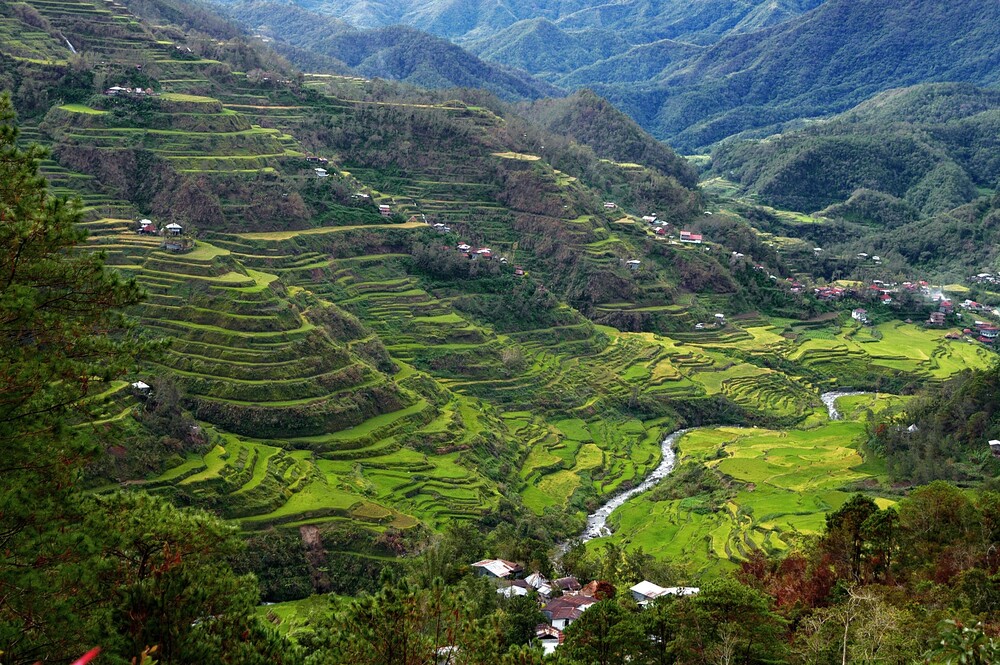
(781, 486)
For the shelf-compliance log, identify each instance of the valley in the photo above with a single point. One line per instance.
(385, 330)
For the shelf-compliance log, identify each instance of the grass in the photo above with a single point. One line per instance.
(785, 481)
(288, 235)
(81, 108)
(180, 97)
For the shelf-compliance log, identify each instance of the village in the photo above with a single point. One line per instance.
(564, 600)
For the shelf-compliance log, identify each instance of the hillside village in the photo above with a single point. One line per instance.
(564, 600)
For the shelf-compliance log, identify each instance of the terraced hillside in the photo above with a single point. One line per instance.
(333, 365)
(758, 490)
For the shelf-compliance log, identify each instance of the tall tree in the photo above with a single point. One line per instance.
(62, 334)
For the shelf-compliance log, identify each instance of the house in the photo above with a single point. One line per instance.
(885, 298)
(385, 210)
(661, 231)
(862, 255)
(514, 588)
(687, 236)
(462, 247)
(519, 271)
(608, 205)
(876, 259)
(995, 447)
(174, 229)
(646, 592)
(633, 264)
(936, 319)
(988, 333)
(142, 389)
(563, 611)
(720, 320)
(829, 292)
(484, 252)
(147, 228)
(817, 250)
(539, 584)
(360, 195)
(321, 173)
(548, 638)
(946, 307)
(564, 584)
(496, 568)
(649, 219)
(860, 315)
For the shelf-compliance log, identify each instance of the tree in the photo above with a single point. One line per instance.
(730, 622)
(62, 336)
(844, 540)
(606, 634)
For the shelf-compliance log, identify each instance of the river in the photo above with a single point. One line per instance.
(830, 400)
(597, 521)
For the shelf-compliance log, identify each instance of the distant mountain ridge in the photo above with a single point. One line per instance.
(690, 74)
(320, 42)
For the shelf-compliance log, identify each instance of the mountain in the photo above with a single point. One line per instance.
(930, 146)
(822, 62)
(319, 42)
(636, 20)
(594, 122)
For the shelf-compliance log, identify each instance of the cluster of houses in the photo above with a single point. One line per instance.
(564, 600)
(119, 91)
(485, 254)
(660, 229)
(146, 227)
(173, 236)
(985, 278)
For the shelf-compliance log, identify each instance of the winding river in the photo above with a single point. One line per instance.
(597, 522)
(830, 400)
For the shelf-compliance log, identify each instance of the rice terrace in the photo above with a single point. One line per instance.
(484, 321)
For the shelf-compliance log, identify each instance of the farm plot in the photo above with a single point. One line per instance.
(780, 485)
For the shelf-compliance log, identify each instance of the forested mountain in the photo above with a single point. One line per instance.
(694, 74)
(637, 20)
(929, 147)
(594, 122)
(321, 43)
(822, 62)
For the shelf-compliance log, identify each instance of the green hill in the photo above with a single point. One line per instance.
(929, 148)
(345, 368)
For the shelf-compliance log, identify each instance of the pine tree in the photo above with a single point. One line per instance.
(62, 335)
